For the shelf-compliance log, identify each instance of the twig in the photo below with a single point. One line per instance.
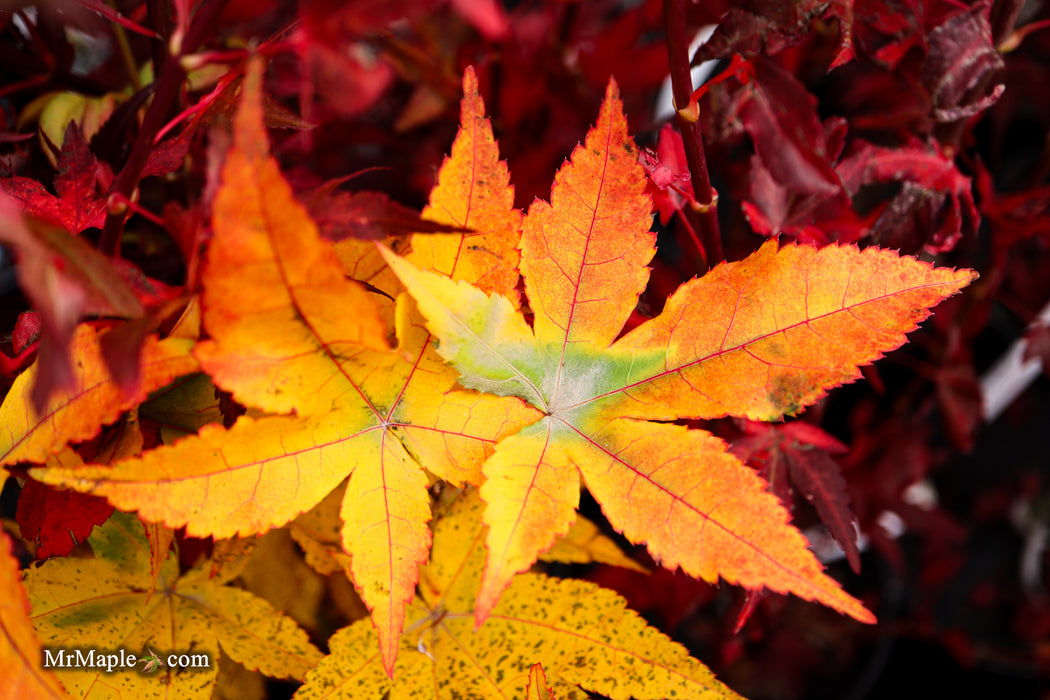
(166, 89)
(706, 217)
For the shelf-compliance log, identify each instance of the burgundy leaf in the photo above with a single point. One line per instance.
(886, 30)
(1015, 216)
(819, 479)
(78, 205)
(368, 216)
(959, 397)
(169, 155)
(961, 63)
(65, 279)
(774, 208)
(934, 207)
(58, 520)
(780, 115)
(770, 26)
(800, 450)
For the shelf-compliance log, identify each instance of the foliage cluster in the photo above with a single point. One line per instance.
(307, 372)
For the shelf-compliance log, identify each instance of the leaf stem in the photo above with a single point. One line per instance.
(167, 87)
(706, 219)
(126, 54)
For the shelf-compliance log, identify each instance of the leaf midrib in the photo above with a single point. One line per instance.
(742, 345)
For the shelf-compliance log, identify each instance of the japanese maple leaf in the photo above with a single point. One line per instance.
(760, 338)
(93, 400)
(107, 603)
(20, 650)
(770, 26)
(803, 451)
(935, 206)
(57, 520)
(290, 334)
(780, 115)
(585, 637)
(65, 279)
(76, 205)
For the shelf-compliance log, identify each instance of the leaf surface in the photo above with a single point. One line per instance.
(537, 688)
(20, 650)
(106, 603)
(473, 191)
(584, 636)
(93, 401)
(290, 334)
(585, 543)
(77, 205)
(800, 451)
(57, 520)
(760, 338)
(65, 279)
(584, 254)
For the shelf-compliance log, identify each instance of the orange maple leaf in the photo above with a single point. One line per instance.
(21, 653)
(761, 338)
(93, 400)
(290, 334)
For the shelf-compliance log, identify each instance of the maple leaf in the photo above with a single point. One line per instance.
(585, 637)
(935, 207)
(57, 520)
(20, 651)
(960, 63)
(802, 450)
(781, 117)
(65, 279)
(770, 26)
(76, 206)
(93, 400)
(761, 338)
(290, 334)
(538, 689)
(107, 603)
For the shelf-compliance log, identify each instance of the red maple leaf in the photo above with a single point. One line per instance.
(77, 205)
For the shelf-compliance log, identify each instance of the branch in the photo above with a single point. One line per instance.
(682, 88)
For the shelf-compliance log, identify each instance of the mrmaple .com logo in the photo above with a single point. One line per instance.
(120, 659)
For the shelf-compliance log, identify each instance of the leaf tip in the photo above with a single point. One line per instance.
(470, 82)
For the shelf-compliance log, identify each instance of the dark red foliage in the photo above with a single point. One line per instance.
(366, 215)
(58, 520)
(76, 204)
(801, 453)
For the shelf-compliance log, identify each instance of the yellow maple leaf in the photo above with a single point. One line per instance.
(290, 334)
(585, 543)
(584, 636)
(94, 400)
(538, 689)
(104, 605)
(759, 338)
